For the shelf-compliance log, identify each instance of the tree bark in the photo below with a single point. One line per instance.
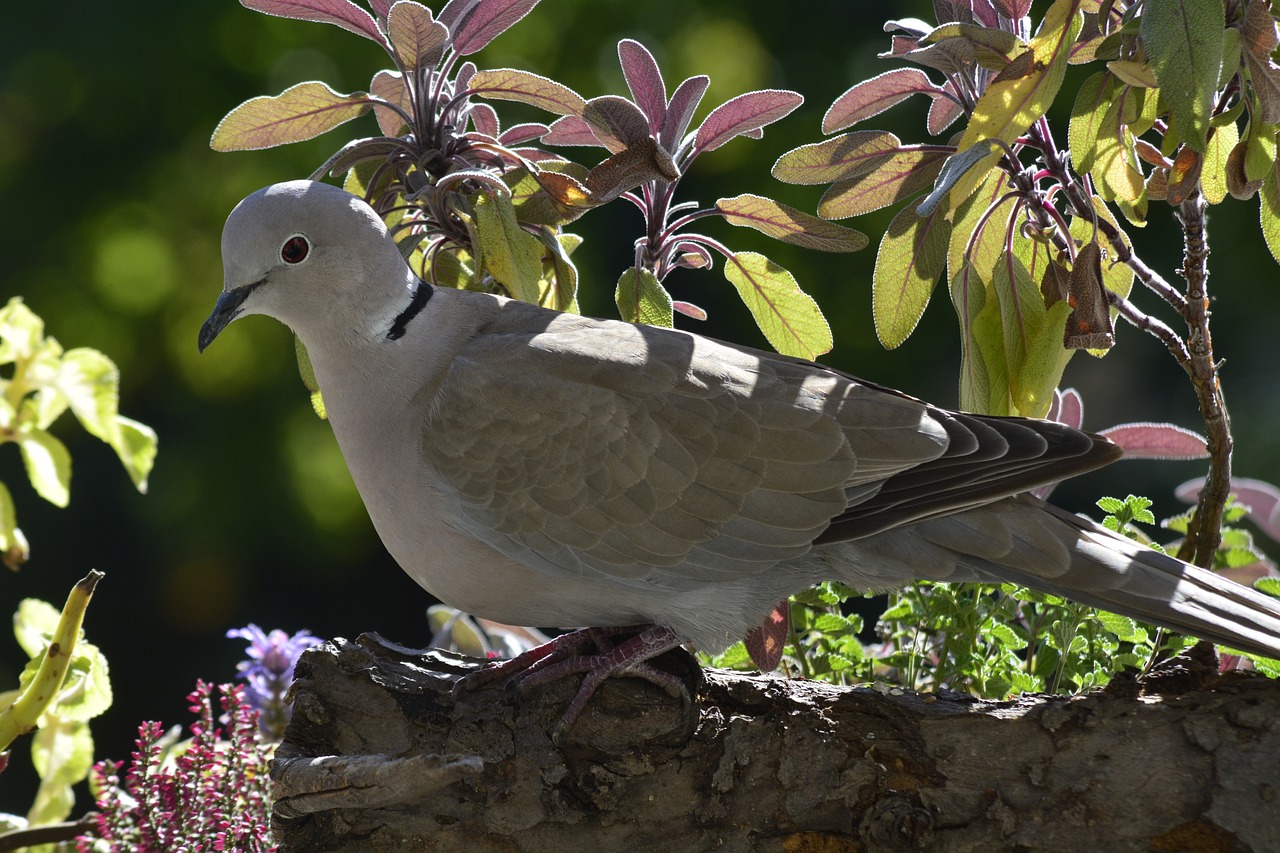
(378, 758)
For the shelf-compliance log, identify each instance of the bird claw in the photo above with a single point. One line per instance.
(562, 657)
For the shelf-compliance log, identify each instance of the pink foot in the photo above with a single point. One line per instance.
(565, 655)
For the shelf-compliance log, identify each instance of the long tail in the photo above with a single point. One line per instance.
(1025, 541)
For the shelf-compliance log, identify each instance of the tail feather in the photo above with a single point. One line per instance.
(1025, 541)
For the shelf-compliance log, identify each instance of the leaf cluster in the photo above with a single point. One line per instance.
(476, 206)
(45, 382)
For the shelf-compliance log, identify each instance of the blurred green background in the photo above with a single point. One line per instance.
(113, 207)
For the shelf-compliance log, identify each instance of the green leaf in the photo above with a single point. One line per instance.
(789, 225)
(1032, 338)
(641, 298)
(1090, 106)
(1020, 93)
(308, 374)
(48, 466)
(512, 84)
(912, 254)
(1260, 151)
(135, 444)
(62, 753)
(841, 157)
(1183, 41)
(1213, 174)
(790, 319)
(957, 166)
(21, 331)
(1122, 626)
(512, 255)
(560, 275)
(14, 550)
(1006, 635)
(300, 112)
(33, 624)
(86, 693)
(831, 623)
(1269, 213)
(984, 382)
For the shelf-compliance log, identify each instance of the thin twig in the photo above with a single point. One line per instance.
(1204, 533)
(49, 833)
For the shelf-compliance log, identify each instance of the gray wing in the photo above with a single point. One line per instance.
(658, 458)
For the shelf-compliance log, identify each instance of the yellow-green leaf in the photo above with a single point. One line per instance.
(62, 753)
(48, 466)
(1183, 41)
(641, 298)
(840, 157)
(512, 255)
(1213, 175)
(299, 112)
(308, 374)
(912, 254)
(559, 285)
(1022, 92)
(14, 550)
(900, 175)
(1269, 213)
(1260, 151)
(1033, 347)
(1134, 73)
(789, 225)
(790, 319)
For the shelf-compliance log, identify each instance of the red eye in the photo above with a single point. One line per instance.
(295, 249)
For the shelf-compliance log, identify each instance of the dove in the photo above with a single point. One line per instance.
(653, 487)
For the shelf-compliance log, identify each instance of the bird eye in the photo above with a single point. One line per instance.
(295, 249)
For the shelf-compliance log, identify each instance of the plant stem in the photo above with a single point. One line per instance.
(1204, 533)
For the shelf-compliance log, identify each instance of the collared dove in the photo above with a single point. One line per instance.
(541, 468)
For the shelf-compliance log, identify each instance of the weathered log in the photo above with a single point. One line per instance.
(378, 757)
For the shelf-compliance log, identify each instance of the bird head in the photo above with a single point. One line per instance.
(294, 250)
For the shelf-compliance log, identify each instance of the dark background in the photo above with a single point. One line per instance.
(112, 208)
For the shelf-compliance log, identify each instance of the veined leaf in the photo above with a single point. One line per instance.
(636, 164)
(616, 121)
(389, 86)
(680, 109)
(1213, 176)
(641, 298)
(874, 96)
(790, 319)
(1022, 92)
(1260, 151)
(512, 255)
(979, 227)
(341, 13)
(984, 377)
(1183, 42)
(417, 39)
(475, 23)
(912, 254)
(644, 79)
(48, 466)
(790, 225)
(956, 167)
(135, 445)
(300, 112)
(744, 114)
(562, 293)
(1157, 441)
(838, 158)
(991, 48)
(572, 130)
(1269, 214)
(512, 84)
(943, 111)
(901, 175)
(1115, 163)
(1258, 41)
(1088, 110)
(1034, 354)
(1134, 73)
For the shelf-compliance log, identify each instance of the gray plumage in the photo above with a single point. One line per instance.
(541, 468)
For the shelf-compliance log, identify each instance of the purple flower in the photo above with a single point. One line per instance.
(268, 672)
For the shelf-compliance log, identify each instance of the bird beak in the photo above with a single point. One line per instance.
(226, 309)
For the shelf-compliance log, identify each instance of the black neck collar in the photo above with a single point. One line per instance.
(421, 293)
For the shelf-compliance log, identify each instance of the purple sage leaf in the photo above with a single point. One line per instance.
(1262, 498)
(484, 119)
(389, 86)
(1014, 9)
(943, 111)
(571, 130)
(522, 133)
(789, 225)
(680, 110)
(512, 84)
(644, 79)
(688, 309)
(341, 13)
(744, 113)
(874, 96)
(475, 23)
(1157, 441)
(617, 122)
(418, 41)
